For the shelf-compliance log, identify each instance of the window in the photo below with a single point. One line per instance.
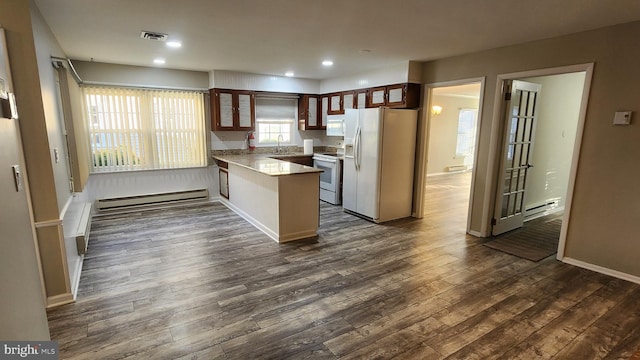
(137, 129)
(466, 134)
(275, 117)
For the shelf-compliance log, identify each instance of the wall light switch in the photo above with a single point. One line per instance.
(622, 118)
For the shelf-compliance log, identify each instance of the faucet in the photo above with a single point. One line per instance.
(278, 148)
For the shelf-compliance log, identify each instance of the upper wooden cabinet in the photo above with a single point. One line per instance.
(360, 99)
(395, 96)
(335, 104)
(349, 100)
(377, 97)
(324, 108)
(232, 110)
(308, 112)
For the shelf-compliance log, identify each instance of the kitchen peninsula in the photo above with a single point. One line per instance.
(279, 198)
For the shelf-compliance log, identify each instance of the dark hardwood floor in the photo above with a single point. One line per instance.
(198, 282)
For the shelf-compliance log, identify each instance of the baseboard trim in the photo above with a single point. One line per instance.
(250, 219)
(449, 173)
(59, 300)
(101, 213)
(266, 230)
(602, 270)
(75, 283)
(476, 233)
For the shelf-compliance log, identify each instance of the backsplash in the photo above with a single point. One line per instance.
(272, 150)
(234, 140)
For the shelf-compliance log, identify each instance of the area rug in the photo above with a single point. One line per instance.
(536, 240)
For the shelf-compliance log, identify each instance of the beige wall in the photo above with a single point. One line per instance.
(47, 46)
(603, 226)
(558, 111)
(443, 132)
(39, 149)
(22, 313)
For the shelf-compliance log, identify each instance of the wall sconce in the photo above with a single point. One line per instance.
(436, 110)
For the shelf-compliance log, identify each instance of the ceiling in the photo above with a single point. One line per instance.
(275, 36)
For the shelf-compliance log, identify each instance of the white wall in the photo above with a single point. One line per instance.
(558, 110)
(151, 182)
(394, 74)
(141, 76)
(443, 132)
(258, 82)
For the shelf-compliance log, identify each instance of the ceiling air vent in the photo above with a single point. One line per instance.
(150, 35)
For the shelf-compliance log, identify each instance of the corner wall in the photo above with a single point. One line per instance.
(603, 226)
(22, 307)
(50, 232)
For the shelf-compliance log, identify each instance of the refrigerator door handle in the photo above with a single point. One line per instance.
(356, 149)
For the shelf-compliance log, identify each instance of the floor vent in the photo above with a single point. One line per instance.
(151, 199)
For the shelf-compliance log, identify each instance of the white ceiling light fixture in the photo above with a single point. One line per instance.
(174, 44)
(327, 63)
(289, 74)
(159, 61)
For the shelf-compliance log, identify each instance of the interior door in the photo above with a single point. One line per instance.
(520, 122)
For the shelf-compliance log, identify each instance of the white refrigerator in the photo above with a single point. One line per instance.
(379, 162)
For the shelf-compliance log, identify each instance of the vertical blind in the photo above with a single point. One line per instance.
(140, 129)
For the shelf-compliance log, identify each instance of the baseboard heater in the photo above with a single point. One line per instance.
(150, 199)
(456, 168)
(541, 209)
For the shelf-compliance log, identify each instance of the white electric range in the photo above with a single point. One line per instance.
(331, 177)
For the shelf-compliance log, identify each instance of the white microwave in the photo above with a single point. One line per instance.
(335, 125)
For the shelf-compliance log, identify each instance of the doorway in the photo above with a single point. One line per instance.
(545, 173)
(450, 141)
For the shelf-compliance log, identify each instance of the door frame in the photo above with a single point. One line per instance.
(422, 144)
(495, 157)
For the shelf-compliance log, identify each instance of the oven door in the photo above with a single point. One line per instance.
(328, 178)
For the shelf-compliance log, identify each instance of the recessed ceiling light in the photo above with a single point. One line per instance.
(327, 63)
(158, 61)
(289, 74)
(174, 44)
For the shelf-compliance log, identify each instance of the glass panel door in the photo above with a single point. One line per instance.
(519, 135)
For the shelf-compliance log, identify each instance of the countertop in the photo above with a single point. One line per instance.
(266, 164)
